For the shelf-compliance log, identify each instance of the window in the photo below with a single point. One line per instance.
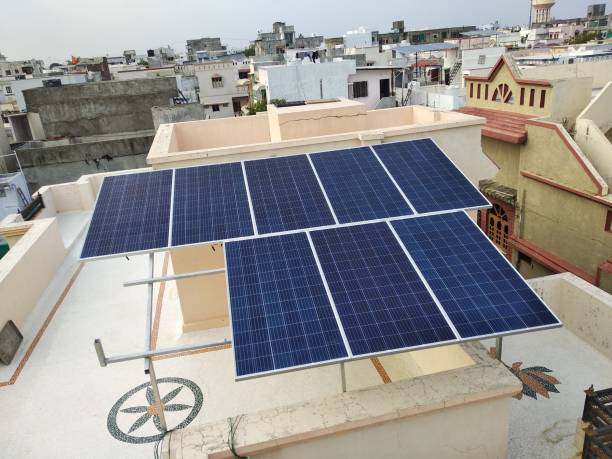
(8, 90)
(522, 96)
(532, 97)
(503, 94)
(243, 74)
(215, 108)
(481, 59)
(543, 98)
(608, 227)
(8, 72)
(471, 90)
(217, 82)
(498, 226)
(486, 92)
(360, 89)
(478, 92)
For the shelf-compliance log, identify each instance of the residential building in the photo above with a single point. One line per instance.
(282, 38)
(300, 82)
(223, 87)
(596, 11)
(210, 44)
(552, 205)
(478, 61)
(16, 68)
(374, 86)
(18, 86)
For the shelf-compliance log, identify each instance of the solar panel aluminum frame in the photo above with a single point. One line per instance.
(351, 357)
(221, 241)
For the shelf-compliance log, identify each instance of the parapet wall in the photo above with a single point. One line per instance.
(107, 107)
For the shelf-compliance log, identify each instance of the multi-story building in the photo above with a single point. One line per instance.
(283, 37)
(552, 208)
(223, 86)
(211, 44)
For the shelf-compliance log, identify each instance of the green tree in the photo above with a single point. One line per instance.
(250, 51)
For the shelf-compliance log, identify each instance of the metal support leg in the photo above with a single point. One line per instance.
(159, 407)
(343, 376)
(149, 368)
(498, 347)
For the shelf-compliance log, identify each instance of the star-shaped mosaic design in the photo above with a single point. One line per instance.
(151, 410)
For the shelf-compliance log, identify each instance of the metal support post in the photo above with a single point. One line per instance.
(159, 407)
(343, 376)
(149, 368)
(498, 347)
(153, 280)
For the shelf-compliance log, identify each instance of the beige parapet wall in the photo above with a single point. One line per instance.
(459, 413)
(593, 128)
(37, 251)
(583, 308)
(600, 71)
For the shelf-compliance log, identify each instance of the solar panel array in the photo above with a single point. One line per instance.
(392, 286)
(330, 256)
(223, 202)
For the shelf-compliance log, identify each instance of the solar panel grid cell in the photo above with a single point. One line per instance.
(286, 195)
(210, 204)
(281, 315)
(381, 302)
(428, 178)
(481, 293)
(132, 214)
(357, 185)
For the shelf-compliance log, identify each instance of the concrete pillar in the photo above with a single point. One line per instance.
(203, 299)
(5, 146)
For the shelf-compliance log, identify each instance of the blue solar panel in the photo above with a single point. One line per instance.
(357, 186)
(430, 181)
(210, 204)
(132, 214)
(479, 290)
(286, 195)
(381, 301)
(281, 315)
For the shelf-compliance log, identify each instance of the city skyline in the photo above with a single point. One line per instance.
(80, 29)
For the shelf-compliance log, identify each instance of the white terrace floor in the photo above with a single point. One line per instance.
(57, 401)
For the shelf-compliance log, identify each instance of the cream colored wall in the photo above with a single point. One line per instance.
(204, 298)
(28, 268)
(546, 154)
(592, 127)
(583, 308)
(600, 71)
(476, 430)
(565, 224)
(596, 146)
(507, 157)
(564, 109)
(504, 75)
(194, 135)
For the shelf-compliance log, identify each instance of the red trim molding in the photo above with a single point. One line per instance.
(549, 182)
(555, 127)
(499, 65)
(554, 263)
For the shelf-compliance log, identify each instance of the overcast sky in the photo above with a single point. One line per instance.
(54, 30)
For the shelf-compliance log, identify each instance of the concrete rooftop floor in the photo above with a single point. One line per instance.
(59, 399)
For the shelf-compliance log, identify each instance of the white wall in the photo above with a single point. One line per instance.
(357, 38)
(304, 81)
(223, 95)
(373, 77)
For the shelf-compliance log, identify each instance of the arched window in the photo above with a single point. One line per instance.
(503, 94)
(498, 226)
